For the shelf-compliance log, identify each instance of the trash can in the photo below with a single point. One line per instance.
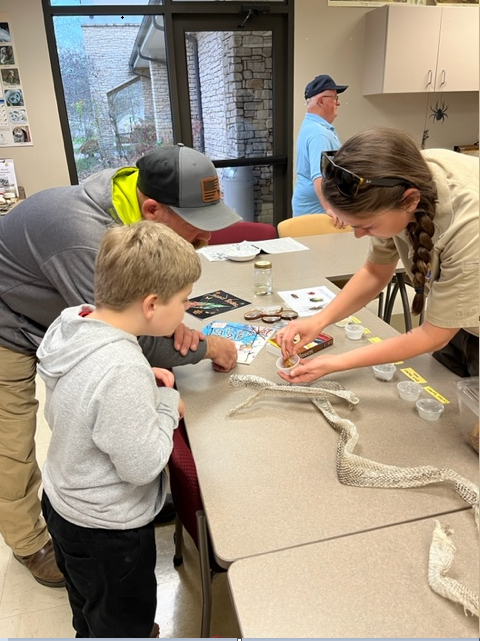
(238, 191)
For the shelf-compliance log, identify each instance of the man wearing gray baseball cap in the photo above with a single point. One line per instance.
(48, 246)
(317, 134)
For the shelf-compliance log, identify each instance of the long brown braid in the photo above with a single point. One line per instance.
(384, 152)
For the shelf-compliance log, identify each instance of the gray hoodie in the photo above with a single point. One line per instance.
(111, 425)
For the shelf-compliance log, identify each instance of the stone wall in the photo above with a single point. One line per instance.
(230, 90)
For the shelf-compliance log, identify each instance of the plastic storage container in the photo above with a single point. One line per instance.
(409, 391)
(354, 331)
(429, 409)
(384, 372)
(467, 394)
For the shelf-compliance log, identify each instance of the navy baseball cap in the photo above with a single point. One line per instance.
(187, 181)
(321, 84)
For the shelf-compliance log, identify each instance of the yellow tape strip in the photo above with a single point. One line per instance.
(436, 395)
(413, 375)
(375, 339)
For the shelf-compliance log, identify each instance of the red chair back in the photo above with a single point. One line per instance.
(238, 232)
(185, 488)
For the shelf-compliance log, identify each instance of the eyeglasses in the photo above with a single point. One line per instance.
(348, 183)
(270, 314)
(335, 96)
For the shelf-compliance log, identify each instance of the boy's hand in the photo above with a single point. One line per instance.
(185, 339)
(181, 408)
(164, 377)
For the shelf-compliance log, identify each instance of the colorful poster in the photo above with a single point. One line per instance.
(14, 125)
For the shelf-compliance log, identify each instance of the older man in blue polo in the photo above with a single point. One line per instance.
(317, 134)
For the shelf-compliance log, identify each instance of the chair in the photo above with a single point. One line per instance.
(311, 225)
(190, 515)
(308, 225)
(238, 232)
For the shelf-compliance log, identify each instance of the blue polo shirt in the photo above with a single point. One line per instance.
(315, 135)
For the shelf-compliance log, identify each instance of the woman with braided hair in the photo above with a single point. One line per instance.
(422, 207)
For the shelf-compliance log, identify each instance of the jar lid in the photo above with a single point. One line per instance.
(263, 264)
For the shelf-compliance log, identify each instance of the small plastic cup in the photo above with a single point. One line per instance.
(384, 372)
(354, 331)
(286, 365)
(429, 409)
(409, 391)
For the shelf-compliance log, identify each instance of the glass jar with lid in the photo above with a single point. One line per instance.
(262, 278)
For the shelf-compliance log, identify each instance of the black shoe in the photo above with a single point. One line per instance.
(167, 513)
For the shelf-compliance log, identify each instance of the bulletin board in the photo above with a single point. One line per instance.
(14, 126)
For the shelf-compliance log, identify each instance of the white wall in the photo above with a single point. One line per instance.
(327, 40)
(43, 165)
(331, 40)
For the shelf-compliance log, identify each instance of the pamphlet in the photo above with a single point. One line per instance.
(214, 303)
(308, 301)
(8, 180)
(249, 339)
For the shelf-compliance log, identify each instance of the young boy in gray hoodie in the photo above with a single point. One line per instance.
(112, 428)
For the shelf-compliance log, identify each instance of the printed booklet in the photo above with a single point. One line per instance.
(249, 339)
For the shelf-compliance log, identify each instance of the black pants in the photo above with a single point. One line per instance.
(109, 574)
(460, 355)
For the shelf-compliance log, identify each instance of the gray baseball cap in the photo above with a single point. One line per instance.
(187, 181)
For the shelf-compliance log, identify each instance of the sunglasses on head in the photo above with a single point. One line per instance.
(348, 183)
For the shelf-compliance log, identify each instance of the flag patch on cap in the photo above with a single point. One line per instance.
(210, 189)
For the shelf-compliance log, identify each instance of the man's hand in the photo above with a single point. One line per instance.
(185, 339)
(222, 352)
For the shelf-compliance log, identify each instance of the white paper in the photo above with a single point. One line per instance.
(274, 246)
(219, 252)
(279, 245)
(308, 301)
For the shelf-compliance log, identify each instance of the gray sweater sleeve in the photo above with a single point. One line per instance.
(160, 352)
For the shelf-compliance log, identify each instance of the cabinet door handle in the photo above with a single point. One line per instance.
(429, 78)
(443, 78)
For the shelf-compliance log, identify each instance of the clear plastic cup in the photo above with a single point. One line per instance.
(286, 365)
(409, 391)
(354, 331)
(384, 372)
(429, 409)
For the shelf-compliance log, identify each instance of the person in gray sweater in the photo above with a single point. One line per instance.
(112, 427)
(48, 245)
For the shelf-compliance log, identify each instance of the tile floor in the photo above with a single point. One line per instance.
(30, 610)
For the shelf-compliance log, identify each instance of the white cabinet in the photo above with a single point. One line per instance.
(421, 48)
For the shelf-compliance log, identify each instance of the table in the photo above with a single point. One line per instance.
(268, 477)
(371, 585)
(341, 255)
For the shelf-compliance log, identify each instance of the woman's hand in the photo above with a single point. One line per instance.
(164, 377)
(306, 329)
(309, 370)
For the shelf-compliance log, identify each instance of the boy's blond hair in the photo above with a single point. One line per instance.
(145, 258)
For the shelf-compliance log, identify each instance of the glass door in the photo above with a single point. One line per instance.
(233, 99)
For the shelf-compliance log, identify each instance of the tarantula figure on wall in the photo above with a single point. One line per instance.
(439, 112)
